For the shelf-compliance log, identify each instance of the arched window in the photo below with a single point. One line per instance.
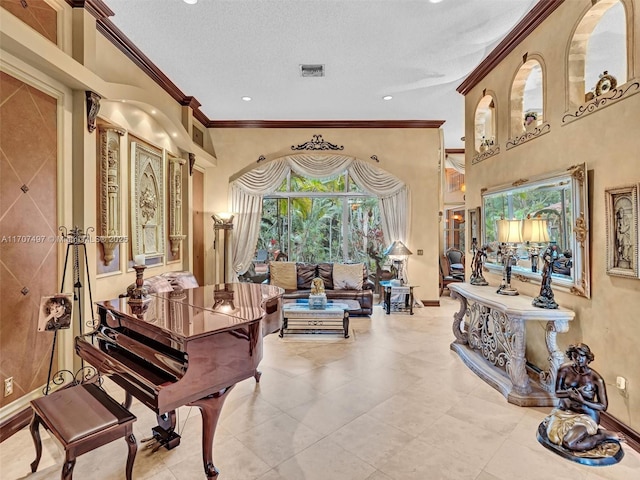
(527, 99)
(485, 124)
(598, 52)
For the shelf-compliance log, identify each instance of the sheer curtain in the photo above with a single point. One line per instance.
(248, 190)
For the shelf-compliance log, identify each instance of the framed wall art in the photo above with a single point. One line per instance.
(147, 204)
(621, 209)
(475, 219)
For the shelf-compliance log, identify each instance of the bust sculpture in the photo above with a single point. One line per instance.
(572, 429)
(317, 286)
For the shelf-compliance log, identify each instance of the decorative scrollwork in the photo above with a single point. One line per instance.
(581, 228)
(535, 133)
(317, 143)
(491, 333)
(84, 375)
(484, 155)
(601, 101)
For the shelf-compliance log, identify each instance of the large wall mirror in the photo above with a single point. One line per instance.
(557, 204)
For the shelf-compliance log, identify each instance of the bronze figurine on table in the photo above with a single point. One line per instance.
(479, 255)
(572, 429)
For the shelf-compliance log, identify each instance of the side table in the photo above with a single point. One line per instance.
(405, 292)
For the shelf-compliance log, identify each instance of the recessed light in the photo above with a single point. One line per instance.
(432, 1)
(387, 97)
(153, 112)
(191, 2)
(246, 99)
(123, 101)
(174, 134)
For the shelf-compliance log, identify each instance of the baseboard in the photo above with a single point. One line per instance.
(15, 423)
(632, 437)
(431, 303)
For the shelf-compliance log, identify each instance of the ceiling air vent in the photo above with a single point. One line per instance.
(312, 70)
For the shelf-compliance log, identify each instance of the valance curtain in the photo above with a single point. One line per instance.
(248, 190)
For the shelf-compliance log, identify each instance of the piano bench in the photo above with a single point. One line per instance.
(82, 417)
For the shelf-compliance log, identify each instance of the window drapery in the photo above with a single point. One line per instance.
(248, 190)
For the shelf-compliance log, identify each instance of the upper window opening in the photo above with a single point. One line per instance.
(485, 122)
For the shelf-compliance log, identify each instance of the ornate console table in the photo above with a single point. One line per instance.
(492, 342)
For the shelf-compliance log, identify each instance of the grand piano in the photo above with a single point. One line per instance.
(187, 347)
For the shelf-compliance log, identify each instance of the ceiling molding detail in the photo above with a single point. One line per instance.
(97, 8)
(521, 31)
(325, 123)
(107, 28)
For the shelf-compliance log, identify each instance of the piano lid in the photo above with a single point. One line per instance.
(196, 312)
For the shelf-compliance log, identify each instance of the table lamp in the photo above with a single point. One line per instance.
(509, 234)
(398, 252)
(535, 230)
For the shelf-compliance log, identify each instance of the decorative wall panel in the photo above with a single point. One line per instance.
(147, 203)
(28, 229)
(175, 205)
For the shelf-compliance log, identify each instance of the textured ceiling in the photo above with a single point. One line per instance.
(417, 51)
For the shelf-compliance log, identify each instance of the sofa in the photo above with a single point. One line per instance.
(344, 283)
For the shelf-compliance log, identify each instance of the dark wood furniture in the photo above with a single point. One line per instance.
(456, 261)
(186, 347)
(82, 417)
(445, 277)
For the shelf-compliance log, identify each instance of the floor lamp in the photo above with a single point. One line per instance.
(221, 222)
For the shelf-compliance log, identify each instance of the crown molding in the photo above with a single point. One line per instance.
(97, 8)
(522, 30)
(325, 123)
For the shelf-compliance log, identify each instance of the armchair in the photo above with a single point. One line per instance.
(455, 259)
(445, 278)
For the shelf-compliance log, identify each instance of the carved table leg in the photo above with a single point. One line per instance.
(458, 319)
(517, 369)
(67, 468)
(132, 446)
(210, 408)
(556, 356)
(34, 427)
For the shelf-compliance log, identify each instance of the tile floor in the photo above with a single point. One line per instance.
(394, 403)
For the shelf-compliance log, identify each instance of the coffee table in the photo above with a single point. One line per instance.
(298, 316)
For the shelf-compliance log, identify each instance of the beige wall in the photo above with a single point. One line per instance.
(608, 142)
(412, 155)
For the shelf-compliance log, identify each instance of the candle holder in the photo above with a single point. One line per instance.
(139, 294)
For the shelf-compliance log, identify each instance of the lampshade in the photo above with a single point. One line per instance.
(535, 230)
(397, 248)
(509, 231)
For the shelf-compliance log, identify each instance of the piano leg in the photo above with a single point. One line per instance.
(210, 408)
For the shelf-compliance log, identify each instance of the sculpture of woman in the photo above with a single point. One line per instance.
(582, 395)
(476, 266)
(545, 299)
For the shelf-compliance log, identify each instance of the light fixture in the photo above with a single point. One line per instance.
(191, 2)
(435, 1)
(246, 98)
(174, 134)
(509, 235)
(387, 97)
(398, 252)
(153, 112)
(221, 221)
(535, 230)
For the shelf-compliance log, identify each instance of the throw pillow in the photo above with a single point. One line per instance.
(306, 273)
(347, 276)
(283, 275)
(325, 272)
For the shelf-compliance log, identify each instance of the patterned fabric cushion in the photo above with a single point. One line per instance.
(347, 276)
(306, 273)
(157, 284)
(325, 272)
(181, 279)
(283, 275)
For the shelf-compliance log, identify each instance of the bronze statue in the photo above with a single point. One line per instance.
(572, 429)
(545, 299)
(476, 266)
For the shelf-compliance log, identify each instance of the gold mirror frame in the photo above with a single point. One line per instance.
(572, 183)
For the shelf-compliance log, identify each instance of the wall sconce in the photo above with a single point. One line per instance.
(398, 252)
(221, 222)
(535, 230)
(509, 234)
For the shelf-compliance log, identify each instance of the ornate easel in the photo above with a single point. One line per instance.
(75, 239)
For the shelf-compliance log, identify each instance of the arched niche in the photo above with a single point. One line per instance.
(599, 44)
(485, 124)
(527, 98)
